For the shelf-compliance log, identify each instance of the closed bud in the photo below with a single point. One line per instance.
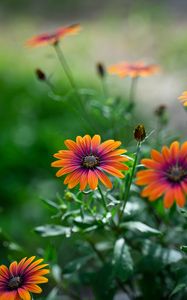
(69, 196)
(139, 133)
(100, 70)
(160, 110)
(40, 75)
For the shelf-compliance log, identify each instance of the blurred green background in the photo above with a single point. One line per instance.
(34, 124)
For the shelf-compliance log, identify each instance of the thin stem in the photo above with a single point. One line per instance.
(127, 191)
(65, 65)
(132, 90)
(70, 77)
(104, 87)
(103, 199)
(113, 225)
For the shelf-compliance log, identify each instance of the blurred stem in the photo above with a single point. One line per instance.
(103, 199)
(65, 65)
(104, 87)
(127, 191)
(132, 91)
(69, 75)
(50, 85)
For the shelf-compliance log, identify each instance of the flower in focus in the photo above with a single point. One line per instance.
(166, 175)
(21, 279)
(87, 160)
(54, 37)
(136, 69)
(183, 98)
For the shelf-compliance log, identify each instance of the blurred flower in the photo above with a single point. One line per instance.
(88, 159)
(100, 70)
(136, 69)
(21, 279)
(54, 37)
(139, 133)
(183, 98)
(40, 74)
(166, 174)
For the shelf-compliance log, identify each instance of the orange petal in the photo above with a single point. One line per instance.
(169, 198)
(113, 171)
(24, 295)
(92, 179)
(179, 196)
(83, 180)
(104, 178)
(95, 142)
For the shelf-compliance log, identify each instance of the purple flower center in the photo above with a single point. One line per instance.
(176, 174)
(14, 282)
(90, 161)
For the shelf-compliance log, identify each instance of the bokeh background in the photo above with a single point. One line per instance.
(34, 124)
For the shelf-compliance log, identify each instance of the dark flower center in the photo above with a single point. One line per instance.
(14, 282)
(176, 174)
(90, 161)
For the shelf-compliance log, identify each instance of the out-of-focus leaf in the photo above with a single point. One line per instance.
(75, 265)
(56, 273)
(154, 257)
(184, 248)
(51, 203)
(54, 230)
(104, 283)
(122, 260)
(178, 289)
(53, 294)
(140, 227)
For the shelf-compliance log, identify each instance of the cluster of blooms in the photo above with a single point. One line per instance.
(86, 162)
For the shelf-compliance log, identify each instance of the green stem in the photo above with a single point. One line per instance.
(132, 89)
(103, 199)
(65, 65)
(69, 75)
(127, 191)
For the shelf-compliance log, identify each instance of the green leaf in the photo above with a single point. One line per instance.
(54, 230)
(184, 248)
(104, 283)
(139, 227)
(122, 260)
(178, 288)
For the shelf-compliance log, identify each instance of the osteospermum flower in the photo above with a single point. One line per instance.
(183, 98)
(21, 279)
(87, 160)
(166, 175)
(53, 37)
(135, 69)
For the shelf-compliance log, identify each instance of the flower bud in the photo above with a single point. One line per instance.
(40, 75)
(160, 110)
(100, 70)
(69, 196)
(139, 133)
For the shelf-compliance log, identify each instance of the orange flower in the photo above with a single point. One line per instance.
(183, 98)
(54, 37)
(21, 279)
(87, 160)
(133, 70)
(166, 175)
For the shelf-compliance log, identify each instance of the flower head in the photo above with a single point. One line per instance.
(53, 37)
(136, 69)
(87, 160)
(183, 98)
(166, 175)
(21, 279)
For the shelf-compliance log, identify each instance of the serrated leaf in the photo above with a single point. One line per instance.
(122, 261)
(140, 227)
